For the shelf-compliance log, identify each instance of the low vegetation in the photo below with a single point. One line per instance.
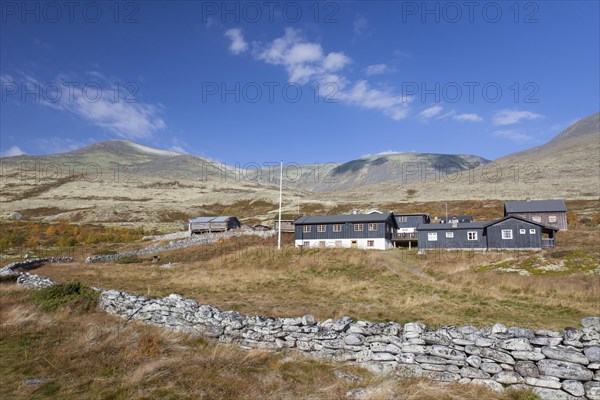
(93, 355)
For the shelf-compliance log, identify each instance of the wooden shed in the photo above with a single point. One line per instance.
(213, 224)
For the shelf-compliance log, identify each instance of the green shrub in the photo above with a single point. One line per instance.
(129, 260)
(72, 295)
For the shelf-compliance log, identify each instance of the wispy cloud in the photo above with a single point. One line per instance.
(376, 69)
(360, 26)
(513, 135)
(510, 117)
(60, 145)
(307, 62)
(179, 146)
(12, 151)
(431, 112)
(238, 44)
(467, 117)
(100, 102)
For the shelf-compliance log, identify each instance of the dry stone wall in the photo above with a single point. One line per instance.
(207, 238)
(555, 364)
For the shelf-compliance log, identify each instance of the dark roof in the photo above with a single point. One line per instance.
(456, 216)
(212, 219)
(464, 225)
(410, 214)
(494, 222)
(344, 218)
(534, 206)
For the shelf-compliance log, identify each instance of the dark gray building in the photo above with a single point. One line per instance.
(546, 212)
(406, 233)
(213, 224)
(510, 232)
(365, 231)
(469, 236)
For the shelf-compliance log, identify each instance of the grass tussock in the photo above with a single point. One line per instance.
(94, 355)
(71, 295)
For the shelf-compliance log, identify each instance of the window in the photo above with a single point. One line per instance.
(320, 228)
(536, 218)
(472, 235)
(358, 227)
(432, 236)
(321, 243)
(306, 228)
(338, 243)
(450, 235)
(370, 243)
(522, 231)
(337, 228)
(306, 244)
(532, 231)
(372, 227)
(403, 219)
(507, 234)
(552, 218)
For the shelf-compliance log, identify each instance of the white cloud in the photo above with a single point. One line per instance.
(510, 117)
(364, 96)
(360, 26)
(378, 69)
(306, 62)
(430, 112)
(513, 135)
(238, 44)
(12, 152)
(179, 145)
(468, 117)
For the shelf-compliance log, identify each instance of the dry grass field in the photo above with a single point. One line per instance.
(92, 355)
(441, 288)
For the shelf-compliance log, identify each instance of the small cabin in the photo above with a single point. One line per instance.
(287, 225)
(213, 224)
(546, 212)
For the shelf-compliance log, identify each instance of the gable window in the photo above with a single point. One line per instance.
(370, 243)
(507, 234)
(432, 236)
(358, 227)
(532, 231)
(372, 227)
(472, 235)
(536, 218)
(522, 231)
(337, 228)
(403, 219)
(449, 235)
(306, 228)
(320, 228)
(552, 218)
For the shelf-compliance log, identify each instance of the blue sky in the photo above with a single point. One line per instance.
(299, 81)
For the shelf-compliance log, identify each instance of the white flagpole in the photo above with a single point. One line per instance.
(280, 190)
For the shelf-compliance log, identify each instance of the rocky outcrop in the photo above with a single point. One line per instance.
(207, 238)
(34, 281)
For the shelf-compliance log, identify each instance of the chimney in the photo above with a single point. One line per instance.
(354, 211)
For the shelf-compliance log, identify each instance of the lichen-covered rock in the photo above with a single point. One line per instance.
(565, 354)
(564, 370)
(573, 387)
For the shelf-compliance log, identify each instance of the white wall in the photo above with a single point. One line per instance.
(379, 243)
